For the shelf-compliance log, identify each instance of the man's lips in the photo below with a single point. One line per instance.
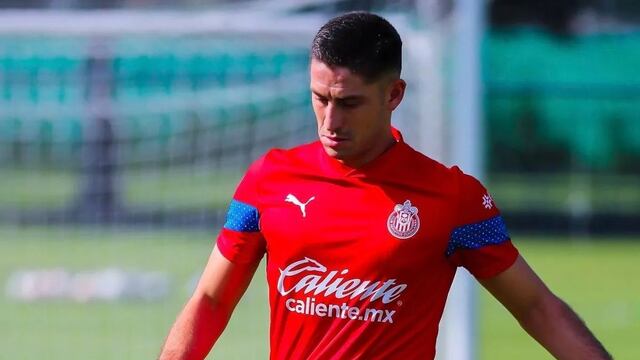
(333, 140)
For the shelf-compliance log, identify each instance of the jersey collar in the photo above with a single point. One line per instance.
(380, 164)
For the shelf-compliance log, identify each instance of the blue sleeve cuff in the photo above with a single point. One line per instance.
(492, 231)
(242, 217)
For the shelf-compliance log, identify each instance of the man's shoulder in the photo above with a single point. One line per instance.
(424, 165)
(298, 156)
(303, 152)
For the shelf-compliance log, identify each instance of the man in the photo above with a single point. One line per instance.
(362, 233)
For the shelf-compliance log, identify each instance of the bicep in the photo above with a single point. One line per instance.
(224, 282)
(518, 288)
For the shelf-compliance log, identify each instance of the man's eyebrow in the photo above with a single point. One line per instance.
(340, 98)
(351, 97)
(316, 93)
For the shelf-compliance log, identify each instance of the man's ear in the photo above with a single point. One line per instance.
(396, 93)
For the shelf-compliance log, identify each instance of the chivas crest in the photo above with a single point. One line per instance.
(404, 222)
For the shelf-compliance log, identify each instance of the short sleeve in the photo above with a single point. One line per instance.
(240, 239)
(479, 240)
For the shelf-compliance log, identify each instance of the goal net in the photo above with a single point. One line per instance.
(134, 118)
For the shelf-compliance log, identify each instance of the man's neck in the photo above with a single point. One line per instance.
(376, 151)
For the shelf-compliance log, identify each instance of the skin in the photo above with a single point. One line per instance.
(354, 127)
(353, 115)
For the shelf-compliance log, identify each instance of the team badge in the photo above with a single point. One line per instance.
(404, 222)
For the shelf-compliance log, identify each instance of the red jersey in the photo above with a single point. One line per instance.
(360, 261)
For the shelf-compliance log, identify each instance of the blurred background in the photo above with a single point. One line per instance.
(125, 126)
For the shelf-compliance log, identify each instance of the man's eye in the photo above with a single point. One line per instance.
(321, 99)
(349, 104)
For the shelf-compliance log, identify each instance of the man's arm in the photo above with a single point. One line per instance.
(543, 315)
(206, 314)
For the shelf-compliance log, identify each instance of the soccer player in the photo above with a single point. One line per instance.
(363, 234)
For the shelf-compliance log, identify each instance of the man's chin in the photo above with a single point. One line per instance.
(331, 152)
(335, 153)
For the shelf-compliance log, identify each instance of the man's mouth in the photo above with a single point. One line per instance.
(332, 141)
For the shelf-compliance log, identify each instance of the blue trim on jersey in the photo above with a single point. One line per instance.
(242, 217)
(474, 236)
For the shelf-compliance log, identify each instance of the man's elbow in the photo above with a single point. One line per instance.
(545, 308)
(211, 307)
(559, 329)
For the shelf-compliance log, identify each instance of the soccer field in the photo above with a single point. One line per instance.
(594, 277)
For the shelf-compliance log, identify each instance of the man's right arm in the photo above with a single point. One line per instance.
(207, 312)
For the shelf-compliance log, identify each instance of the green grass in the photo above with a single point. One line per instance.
(61, 330)
(181, 189)
(35, 189)
(596, 278)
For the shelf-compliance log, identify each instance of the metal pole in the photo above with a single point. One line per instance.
(467, 151)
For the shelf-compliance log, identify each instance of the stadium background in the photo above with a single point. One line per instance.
(118, 159)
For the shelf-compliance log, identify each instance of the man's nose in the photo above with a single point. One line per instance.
(333, 119)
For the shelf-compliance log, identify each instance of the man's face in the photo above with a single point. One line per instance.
(353, 116)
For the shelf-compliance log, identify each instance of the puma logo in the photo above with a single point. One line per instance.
(303, 206)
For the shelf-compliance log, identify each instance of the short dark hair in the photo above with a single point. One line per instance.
(364, 43)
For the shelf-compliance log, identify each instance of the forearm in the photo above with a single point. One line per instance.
(195, 331)
(559, 329)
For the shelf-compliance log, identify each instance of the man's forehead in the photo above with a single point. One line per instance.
(334, 79)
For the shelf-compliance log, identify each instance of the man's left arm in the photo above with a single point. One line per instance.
(547, 318)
